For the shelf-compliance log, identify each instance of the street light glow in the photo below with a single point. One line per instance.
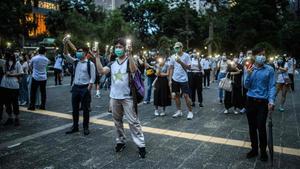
(8, 44)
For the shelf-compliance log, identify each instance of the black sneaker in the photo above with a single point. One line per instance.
(263, 156)
(31, 108)
(120, 147)
(142, 152)
(8, 122)
(193, 104)
(86, 131)
(17, 122)
(200, 105)
(73, 130)
(221, 101)
(252, 154)
(42, 107)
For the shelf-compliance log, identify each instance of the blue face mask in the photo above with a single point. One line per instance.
(260, 59)
(79, 55)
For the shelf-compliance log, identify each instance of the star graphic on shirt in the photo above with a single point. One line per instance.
(118, 76)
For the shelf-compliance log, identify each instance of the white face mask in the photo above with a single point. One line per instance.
(10, 63)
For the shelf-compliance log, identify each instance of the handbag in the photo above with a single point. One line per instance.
(226, 84)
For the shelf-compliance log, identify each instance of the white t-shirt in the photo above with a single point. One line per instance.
(206, 64)
(282, 75)
(291, 62)
(179, 74)
(223, 66)
(58, 63)
(12, 82)
(25, 67)
(39, 64)
(119, 81)
(195, 65)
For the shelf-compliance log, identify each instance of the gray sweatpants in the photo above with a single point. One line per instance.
(125, 106)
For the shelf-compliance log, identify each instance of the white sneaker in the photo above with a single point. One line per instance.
(156, 113)
(190, 116)
(243, 110)
(177, 114)
(226, 111)
(236, 112)
(163, 113)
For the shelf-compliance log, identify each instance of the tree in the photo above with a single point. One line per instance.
(14, 23)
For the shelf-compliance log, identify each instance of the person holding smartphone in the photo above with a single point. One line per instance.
(260, 82)
(84, 78)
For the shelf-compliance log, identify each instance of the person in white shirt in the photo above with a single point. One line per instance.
(195, 79)
(180, 62)
(291, 70)
(24, 97)
(121, 97)
(84, 78)
(283, 81)
(222, 66)
(207, 68)
(39, 65)
(10, 84)
(58, 68)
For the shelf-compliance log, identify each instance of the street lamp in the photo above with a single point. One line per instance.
(8, 44)
(205, 47)
(88, 44)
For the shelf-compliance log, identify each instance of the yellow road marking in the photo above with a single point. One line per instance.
(173, 133)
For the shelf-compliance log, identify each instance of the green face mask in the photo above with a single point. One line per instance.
(176, 50)
(119, 52)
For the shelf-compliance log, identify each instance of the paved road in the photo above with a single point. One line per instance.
(210, 140)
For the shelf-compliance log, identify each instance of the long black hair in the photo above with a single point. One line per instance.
(10, 57)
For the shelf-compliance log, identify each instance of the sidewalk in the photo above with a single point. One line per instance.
(211, 140)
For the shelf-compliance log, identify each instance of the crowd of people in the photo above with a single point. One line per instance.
(252, 81)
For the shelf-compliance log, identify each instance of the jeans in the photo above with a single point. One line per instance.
(221, 92)
(149, 88)
(24, 89)
(81, 96)
(34, 86)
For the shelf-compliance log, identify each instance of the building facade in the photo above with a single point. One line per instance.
(38, 15)
(109, 4)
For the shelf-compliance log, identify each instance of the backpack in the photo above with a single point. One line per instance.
(136, 84)
(88, 68)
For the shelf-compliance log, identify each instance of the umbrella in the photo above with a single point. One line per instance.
(270, 139)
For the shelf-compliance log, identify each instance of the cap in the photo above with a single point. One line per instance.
(178, 45)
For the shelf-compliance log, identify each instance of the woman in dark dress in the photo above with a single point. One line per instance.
(234, 98)
(162, 94)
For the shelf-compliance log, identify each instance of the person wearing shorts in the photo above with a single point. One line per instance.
(179, 64)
